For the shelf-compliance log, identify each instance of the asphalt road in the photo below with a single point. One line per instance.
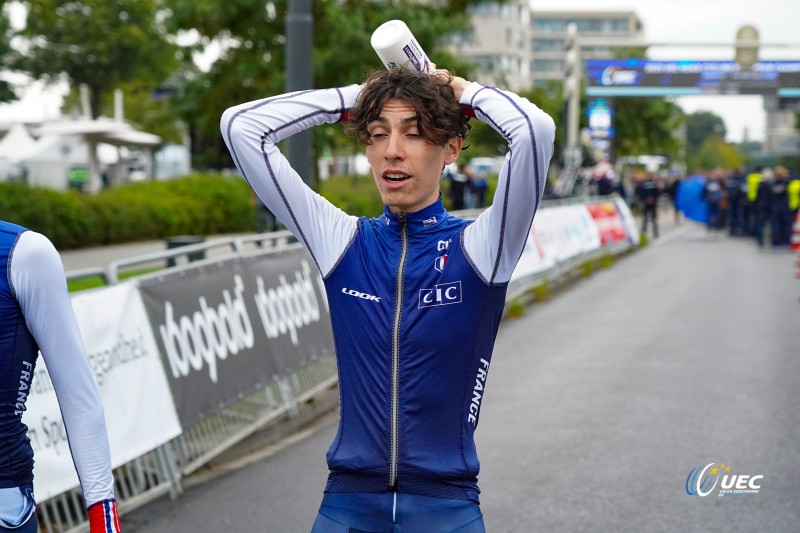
(599, 404)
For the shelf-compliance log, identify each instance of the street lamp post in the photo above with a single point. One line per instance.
(299, 76)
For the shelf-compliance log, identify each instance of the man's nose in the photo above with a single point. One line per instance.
(394, 148)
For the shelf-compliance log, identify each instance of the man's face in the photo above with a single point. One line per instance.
(405, 166)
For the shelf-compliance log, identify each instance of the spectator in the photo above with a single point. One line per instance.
(735, 186)
(781, 212)
(762, 204)
(750, 211)
(714, 197)
(481, 185)
(459, 185)
(672, 192)
(647, 193)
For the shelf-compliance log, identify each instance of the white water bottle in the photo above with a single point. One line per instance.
(397, 47)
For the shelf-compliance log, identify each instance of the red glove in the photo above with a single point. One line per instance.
(103, 517)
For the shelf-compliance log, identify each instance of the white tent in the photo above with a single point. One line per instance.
(48, 164)
(17, 143)
(94, 132)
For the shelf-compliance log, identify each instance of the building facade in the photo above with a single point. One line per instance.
(600, 31)
(781, 136)
(499, 44)
(516, 47)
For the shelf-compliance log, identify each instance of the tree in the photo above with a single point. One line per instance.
(646, 126)
(6, 92)
(251, 36)
(550, 98)
(104, 44)
(700, 126)
(715, 152)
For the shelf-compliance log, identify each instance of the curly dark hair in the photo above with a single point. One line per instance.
(439, 115)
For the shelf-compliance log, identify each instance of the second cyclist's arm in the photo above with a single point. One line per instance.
(252, 132)
(40, 287)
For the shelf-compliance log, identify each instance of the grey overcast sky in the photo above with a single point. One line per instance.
(675, 21)
(708, 21)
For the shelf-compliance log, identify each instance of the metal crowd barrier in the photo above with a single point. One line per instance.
(182, 255)
(160, 472)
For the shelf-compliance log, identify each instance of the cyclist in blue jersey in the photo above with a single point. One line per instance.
(415, 295)
(36, 315)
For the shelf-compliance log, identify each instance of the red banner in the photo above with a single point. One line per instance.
(608, 221)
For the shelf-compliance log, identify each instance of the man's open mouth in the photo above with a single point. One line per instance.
(396, 177)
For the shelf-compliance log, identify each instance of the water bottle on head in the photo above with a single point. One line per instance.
(397, 47)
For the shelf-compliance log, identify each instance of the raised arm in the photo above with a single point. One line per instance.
(38, 279)
(496, 239)
(252, 131)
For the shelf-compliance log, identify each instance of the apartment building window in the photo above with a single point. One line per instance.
(589, 25)
(462, 37)
(548, 65)
(550, 25)
(619, 26)
(486, 10)
(585, 25)
(505, 11)
(488, 63)
(548, 45)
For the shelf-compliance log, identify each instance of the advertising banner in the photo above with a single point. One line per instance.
(534, 258)
(581, 222)
(608, 221)
(566, 231)
(226, 328)
(628, 221)
(642, 77)
(140, 414)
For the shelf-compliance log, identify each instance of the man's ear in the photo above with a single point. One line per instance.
(452, 149)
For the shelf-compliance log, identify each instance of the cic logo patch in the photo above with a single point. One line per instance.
(443, 294)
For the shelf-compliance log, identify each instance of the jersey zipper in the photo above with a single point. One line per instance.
(395, 438)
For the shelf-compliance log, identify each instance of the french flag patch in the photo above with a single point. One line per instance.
(104, 518)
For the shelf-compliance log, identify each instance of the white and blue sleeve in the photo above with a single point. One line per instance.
(40, 286)
(252, 132)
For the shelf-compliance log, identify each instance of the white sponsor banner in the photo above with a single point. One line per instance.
(139, 410)
(545, 224)
(535, 257)
(563, 231)
(628, 221)
(586, 227)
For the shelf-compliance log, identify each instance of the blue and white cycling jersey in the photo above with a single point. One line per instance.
(415, 298)
(36, 314)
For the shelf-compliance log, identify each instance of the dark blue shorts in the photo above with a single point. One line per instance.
(344, 512)
(31, 526)
(21, 505)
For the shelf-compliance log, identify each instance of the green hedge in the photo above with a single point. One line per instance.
(354, 195)
(195, 205)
